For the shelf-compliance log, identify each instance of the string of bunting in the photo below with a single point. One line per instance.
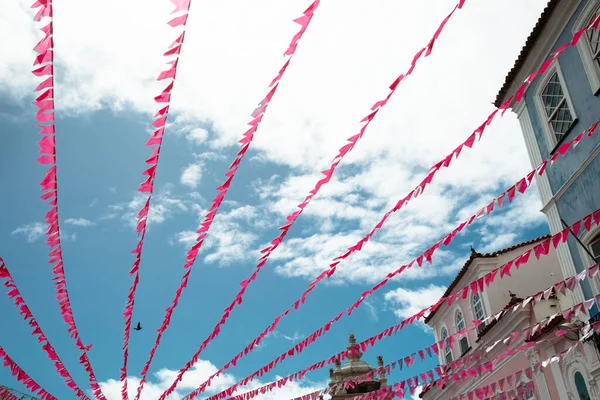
(23, 377)
(407, 361)
(457, 369)
(476, 135)
(351, 142)
(469, 142)
(21, 305)
(44, 67)
(520, 187)
(6, 395)
(513, 379)
(172, 54)
(481, 393)
(463, 373)
(192, 253)
(478, 286)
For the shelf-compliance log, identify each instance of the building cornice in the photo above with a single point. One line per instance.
(536, 53)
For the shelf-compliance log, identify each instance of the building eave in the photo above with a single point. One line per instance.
(544, 35)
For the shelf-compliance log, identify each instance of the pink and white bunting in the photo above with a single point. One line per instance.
(6, 395)
(469, 142)
(539, 250)
(522, 184)
(23, 377)
(172, 54)
(192, 253)
(44, 67)
(14, 294)
(454, 366)
(328, 173)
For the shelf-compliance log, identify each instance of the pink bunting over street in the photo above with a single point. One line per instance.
(44, 67)
(155, 144)
(245, 142)
(21, 305)
(23, 377)
(394, 329)
(488, 279)
(328, 173)
(407, 361)
(510, 193)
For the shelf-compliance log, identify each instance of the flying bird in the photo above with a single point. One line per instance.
(138, 327)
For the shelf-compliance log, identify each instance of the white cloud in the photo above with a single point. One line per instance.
(164, 206)
(372, 310)
(232, 236)
(79, 222)
(197, 135)
(32, 232)
(196, 375)
(192, 175)
(187, 238)
(407, 302)
(37, 230)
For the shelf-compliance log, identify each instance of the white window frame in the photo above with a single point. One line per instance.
(591, 67)
(587, 239)
(474, 311)
(457, 311)
(551, 139)
(448, 348)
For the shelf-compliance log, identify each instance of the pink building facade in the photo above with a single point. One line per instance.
(574, 378)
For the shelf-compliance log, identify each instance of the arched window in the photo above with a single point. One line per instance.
(582, 390)
(448, 348)
(460, 325)
(478, 307)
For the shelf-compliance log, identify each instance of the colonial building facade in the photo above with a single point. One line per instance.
(558, 105)
(568, 380)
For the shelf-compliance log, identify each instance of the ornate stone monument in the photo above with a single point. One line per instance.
(354, 368)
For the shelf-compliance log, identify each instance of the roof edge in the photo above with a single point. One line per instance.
(474, 256)
(531, 41)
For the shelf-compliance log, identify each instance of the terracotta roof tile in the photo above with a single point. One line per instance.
(529, 44)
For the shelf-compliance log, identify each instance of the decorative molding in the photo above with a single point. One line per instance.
(533, 355)
(572, 178)
(592, 69)
(549, 134)
(565, 259)
(585, 238)
(557, 374)
(571, 365)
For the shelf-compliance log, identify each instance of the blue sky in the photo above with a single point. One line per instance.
(103, 122)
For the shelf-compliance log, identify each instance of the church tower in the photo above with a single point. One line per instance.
(354, 368)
